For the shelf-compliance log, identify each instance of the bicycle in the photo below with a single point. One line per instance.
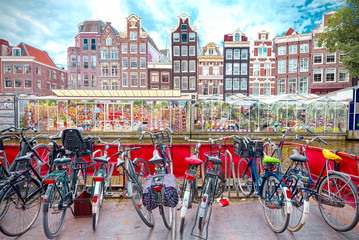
(4, 163)
(63, 182)
(334, 191)
(20, 198)
(273, 192)
(100, 180)
(136, 172)
(189, 191)
(162, 160)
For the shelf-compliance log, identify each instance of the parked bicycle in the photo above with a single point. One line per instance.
(63, 182)
(4, 163)
(274, 195)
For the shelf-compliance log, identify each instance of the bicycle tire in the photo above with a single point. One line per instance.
(221, 177)
(345, 198)
(141, 169)
(275, 204)
(186, 201)
(17, 220)
(245, 180)
(44, 152)
(54, 212)
(137, 201)
(205, 204)
(166, 213)
(97, 205)
(300, 203)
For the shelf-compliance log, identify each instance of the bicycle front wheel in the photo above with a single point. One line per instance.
(205, 203)
(275, 204)
(20, 206)
(338, 202)
(245, 180)
(141, 209)
(54, 209)
(166, 213)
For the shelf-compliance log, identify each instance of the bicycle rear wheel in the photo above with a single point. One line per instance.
(275, 204)
(338, 202)
(245, 180)
(17, 216)
(166, 213)
(54, 211)
(137, 201)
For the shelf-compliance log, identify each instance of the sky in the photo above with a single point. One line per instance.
(51, 25)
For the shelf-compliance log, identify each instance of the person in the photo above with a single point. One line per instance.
(275, 127)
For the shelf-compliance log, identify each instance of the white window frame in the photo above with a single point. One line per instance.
(133, 35)
(124, 79)
(142, 63)
(133, 48)
(184, 51)
(316, 55)
(281, 50)
(292, 66)
(192, 50)
(304, 48)
(341, 70)
(133, 60)
(334, 73)
(142, 48)
(293, 49)
(304, 65)
(124, 63)
(326, 58)
(282, 66)
(316, 71)
(124, 47)
(176, 37)
(184, 64)
(176, 83)
(176, 51)
(177, 66)
(192, 66)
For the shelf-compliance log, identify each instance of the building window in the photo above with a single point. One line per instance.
(17, 82)
(244, 67)
(293, 49)
(228, 83)
(7, 67)
(267, 69)
(303, 85)
(62, 77)
(8, 82)
(105, 85)
(93, 80)
(243, 83)
(73, 80)
(317, 75)
(304, 48)
(104, 54)
(124, 63)
(93, 62)
(184, 38)
(235, 83)
(176, 83)
(342, 55)
(133, 35)
(281, 66)
(85, 46)
(184, 51)
(93, 44)
(177, 66)
(17, 68)
(184, 27)
(215, 89)
(154, 77)
(262, 52)
(124, 47)
(38, 69)
(343, 75)
(266, 89)
(143, 79)
(205, 70)
(86, 62)
(27, 82)
(143, 48)
(282, 50)
(192, 37)
(330, 57)
(304, 64)
(292, 85)
(236, 54)
(142, 62)
(38, 84)
(176, 51)
(256, 89)
(73, 61)
(292, 68)
(16, 52)
(192, 66)
(86, 80)
(184, 66)
(114, 54)
(316, 43)
(165, 77)
(205, 88)
(184, 83)
(54, 74)
(228, 68)
(176, 37)
(134, 82)
(236, 69)
(237, 37)
(244, 54)
(104, 71)
(114, 70)
(79, 80)
(216, 71)
(229, 54)
(281, 86)
(318, 58)
(125, 79)
(192, 51)
(48, 86)
(192, 83)
(133, 48)
(256, 69)
(114, 85)
(330, 75)
(27, 68)
(133, 63)
(108, 41)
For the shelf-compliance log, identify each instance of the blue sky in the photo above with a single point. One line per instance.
(51, 25)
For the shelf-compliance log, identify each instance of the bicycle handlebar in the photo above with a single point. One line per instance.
(126, 150)
(196, 140)
(155, 133)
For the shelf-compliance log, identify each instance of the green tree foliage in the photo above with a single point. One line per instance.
(342, 33)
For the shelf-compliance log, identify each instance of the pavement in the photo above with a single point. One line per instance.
(238, 220)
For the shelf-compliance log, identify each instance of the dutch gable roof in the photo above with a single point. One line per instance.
(40, 56)
(290, 31)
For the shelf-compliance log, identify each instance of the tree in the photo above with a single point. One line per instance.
(342, 33)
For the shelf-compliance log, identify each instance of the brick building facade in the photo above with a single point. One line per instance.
(160, 75)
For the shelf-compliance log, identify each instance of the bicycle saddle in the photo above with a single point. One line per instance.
(215, 160)
(268, 159)
(193, 160)
(331, 156)
(63, 160)
(27, 157)
(156, 158)
(297, 157)
(102, 159)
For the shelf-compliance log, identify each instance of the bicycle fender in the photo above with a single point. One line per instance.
(289, 204)
(306, 212)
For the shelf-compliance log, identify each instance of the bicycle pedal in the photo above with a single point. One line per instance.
(109, 194)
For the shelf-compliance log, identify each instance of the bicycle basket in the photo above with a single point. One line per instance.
(259, 148)
(240, 148)
(72, 140)
(149, 197)
(170, 194)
